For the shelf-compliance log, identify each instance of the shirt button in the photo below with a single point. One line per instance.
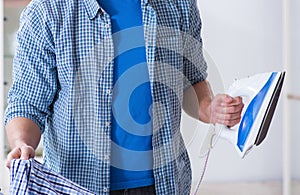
(107, 26)
(108, 92)
(111, 59)
(105, 189)
(106, 157)
(108, 124)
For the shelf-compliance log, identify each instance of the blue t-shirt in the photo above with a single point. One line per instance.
(131, 155)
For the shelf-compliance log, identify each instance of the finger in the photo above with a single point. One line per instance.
(233, 109)
(227, 117)
(229, 101)
(228, 110)
(222, 98)
(232, 123)
(8, 162)
(14, 154)
(228, 123)
(236, 101)
(27, 152)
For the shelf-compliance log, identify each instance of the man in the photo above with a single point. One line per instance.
(103, 82)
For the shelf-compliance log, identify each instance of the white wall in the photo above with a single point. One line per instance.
(244, 38)
(1, 98)
(294, 87)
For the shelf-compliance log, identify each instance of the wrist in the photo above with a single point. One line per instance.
(205, 111)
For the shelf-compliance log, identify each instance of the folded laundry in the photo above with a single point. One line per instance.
(31, 177)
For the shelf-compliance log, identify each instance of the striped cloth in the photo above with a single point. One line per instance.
(31, 177)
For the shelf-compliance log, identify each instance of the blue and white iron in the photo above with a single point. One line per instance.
(260, 95)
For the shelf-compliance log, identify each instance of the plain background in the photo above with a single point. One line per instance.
(245, 38)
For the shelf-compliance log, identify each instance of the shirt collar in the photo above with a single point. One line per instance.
(92, 8)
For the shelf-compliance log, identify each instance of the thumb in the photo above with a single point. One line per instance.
(23, 152)
(14, 154)
(223, 99)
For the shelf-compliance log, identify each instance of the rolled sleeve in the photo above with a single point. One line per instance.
(195, 67)
(34, 70)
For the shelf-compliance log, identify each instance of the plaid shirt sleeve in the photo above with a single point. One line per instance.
(195, 67)
(31, 177)
(34, 72)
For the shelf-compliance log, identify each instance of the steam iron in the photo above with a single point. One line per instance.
(260, 95)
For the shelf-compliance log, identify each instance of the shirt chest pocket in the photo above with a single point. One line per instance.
(168, 30)
(167, 14)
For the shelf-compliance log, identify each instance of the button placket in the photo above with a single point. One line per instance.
(107, 25)
(106, 157)
(108, 92)
(105, 189)
(108, 124)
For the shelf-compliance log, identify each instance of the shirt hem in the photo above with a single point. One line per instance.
(132, 184)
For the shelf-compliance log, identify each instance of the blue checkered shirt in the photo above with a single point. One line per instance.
(63, 81)
(29, 177)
